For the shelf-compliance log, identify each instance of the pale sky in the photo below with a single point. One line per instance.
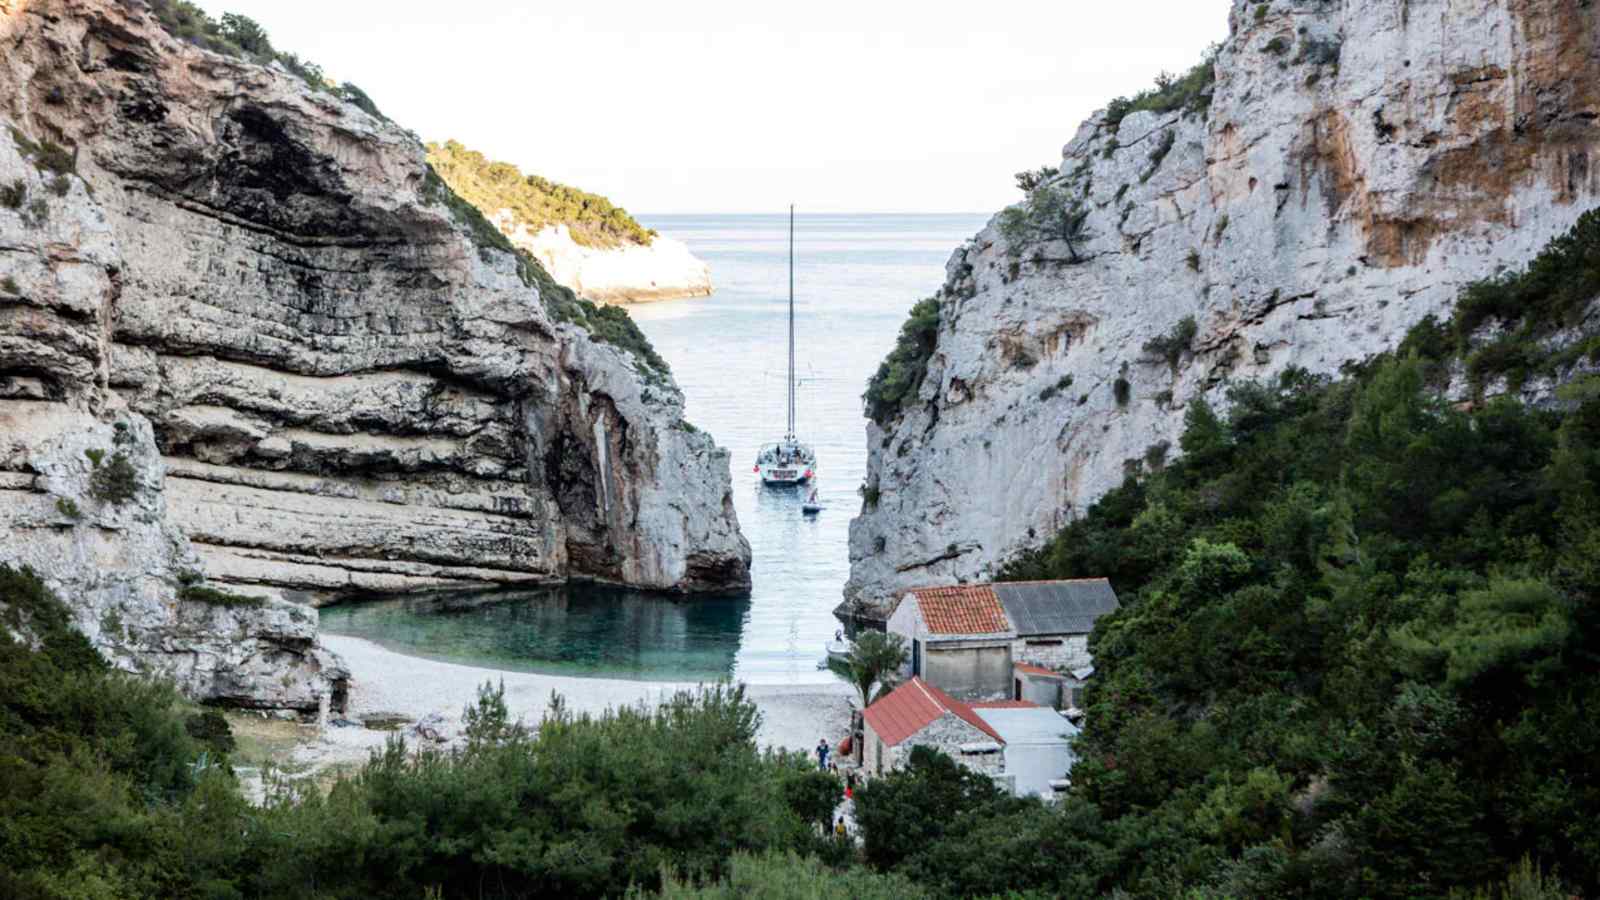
(721, 106)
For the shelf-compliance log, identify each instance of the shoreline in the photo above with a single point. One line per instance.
(384, 681)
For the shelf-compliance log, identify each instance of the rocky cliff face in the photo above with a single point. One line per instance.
(631, 273)
(1359, 163)
(330, 382)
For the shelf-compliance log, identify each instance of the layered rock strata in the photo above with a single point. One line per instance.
(352, 391)
(1359, 163)
(664, 269)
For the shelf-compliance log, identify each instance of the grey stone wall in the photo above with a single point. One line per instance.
(1071, 653)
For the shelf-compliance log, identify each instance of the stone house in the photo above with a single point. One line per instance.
(1024, 747)
(969, 639)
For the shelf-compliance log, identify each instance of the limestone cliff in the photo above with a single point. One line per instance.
(328, 376)
(1357, 165)
(664, 269)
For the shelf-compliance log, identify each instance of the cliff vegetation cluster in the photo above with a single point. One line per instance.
(535, 201)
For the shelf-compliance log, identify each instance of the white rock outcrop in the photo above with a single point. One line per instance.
(664, 269)
(351, 390)
(1359, 163)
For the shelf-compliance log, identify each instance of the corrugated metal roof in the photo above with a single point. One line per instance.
(914, 705)
(1004, 704)
(1028, 725)
(1055, 607)
(962, 609)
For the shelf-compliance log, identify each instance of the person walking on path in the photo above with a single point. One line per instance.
(822, 754)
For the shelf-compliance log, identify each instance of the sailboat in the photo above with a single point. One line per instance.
(788, 462)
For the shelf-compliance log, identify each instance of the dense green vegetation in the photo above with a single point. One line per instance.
(894, 386)
(1528, 308)
(1190, 92)
(1359, 647)
(114, 788)
(536, 202)
(244, 38)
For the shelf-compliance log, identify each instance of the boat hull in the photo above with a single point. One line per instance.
(780, 475)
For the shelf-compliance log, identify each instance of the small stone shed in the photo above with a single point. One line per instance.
(1024, 747)
(967, 639)
(918, 714)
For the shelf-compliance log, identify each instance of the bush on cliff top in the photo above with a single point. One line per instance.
(1190, 92)
(244, 38)
(536, 202)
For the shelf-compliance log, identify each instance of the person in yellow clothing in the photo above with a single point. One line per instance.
(838, 827)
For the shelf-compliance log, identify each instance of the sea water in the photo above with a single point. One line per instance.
(856, 276)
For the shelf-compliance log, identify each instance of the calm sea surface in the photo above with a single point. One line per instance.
(855, 278)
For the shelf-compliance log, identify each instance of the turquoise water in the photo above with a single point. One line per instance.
(855, 278)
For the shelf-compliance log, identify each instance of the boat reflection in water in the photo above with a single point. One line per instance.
(578, 629)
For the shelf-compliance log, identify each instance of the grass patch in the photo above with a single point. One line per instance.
(894, 385)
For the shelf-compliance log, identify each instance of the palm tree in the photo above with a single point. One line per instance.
(874, 660)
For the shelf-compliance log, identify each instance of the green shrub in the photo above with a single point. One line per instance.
(1190, 92)
(1172, 345)
(37, 214)
(787, 877)
(13, 195)
(536, 202)
(1551, 295)
(1061, 384)
(1032, 180)
(1122, 390)
(46, 155)
(68, 507)
(895, 384)
(870, 496)
(9, 285)
(60, 185)
(1193, 260)
(116, 481)
(1051, 213)
(1277, 46)
(1159, 152)
(195, 593)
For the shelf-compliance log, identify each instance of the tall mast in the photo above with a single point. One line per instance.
(790, 434)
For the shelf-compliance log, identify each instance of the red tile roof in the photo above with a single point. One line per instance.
(913, 706)
(962, 609)
(1032, 669)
